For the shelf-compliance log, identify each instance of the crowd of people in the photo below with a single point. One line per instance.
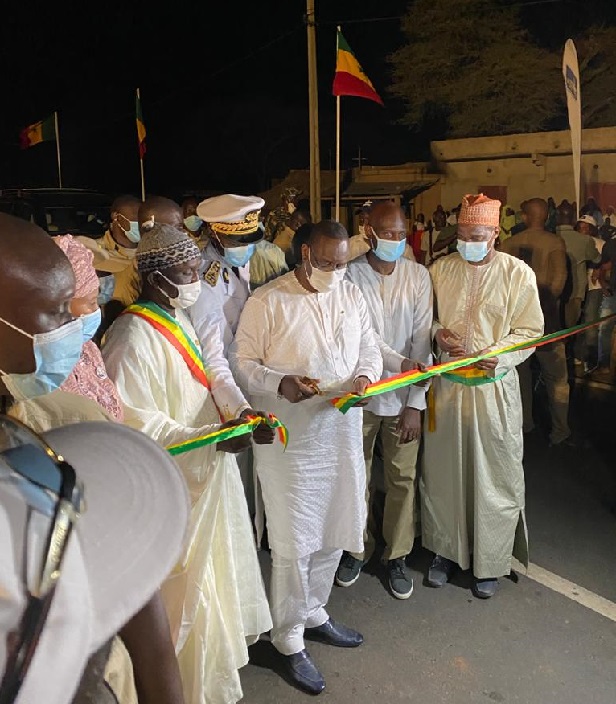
(190, 319)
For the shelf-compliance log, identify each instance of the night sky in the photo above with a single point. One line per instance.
(224, 91)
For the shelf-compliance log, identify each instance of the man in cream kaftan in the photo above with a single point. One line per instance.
(314, 492)
(215, 597)
(472, 484)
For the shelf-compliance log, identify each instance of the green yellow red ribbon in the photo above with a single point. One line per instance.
(235, 431)
(463, 375)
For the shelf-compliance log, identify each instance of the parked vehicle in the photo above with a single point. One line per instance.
(60, 211)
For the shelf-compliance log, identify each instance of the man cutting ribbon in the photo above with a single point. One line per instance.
(215, 597)
(472, 484)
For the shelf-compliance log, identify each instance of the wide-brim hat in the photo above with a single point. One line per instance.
(233, 216)
(126, 542)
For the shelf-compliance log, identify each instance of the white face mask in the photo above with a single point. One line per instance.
(187, 293)
(324, 281)
(291, 208)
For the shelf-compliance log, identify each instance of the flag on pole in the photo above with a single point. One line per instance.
(43, 131)
(571, 74)
(140, 126)
(350, 78)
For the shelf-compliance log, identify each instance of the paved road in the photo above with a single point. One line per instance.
(531, 643)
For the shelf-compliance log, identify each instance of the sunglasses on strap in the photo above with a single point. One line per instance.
(54, 499)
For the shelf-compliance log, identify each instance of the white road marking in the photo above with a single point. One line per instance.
(572, 591)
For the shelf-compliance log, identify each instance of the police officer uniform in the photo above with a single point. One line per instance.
(224, 287)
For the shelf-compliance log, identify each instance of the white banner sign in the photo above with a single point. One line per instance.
(571, 74)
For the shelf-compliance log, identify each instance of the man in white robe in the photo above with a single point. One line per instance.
(302, 340)
(215, 597)
(399, 298)
(472, 483)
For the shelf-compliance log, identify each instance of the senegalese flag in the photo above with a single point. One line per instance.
(140, 126)
(350, 78)
(43, 131)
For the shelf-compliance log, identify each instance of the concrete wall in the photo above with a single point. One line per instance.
(551, 176)
(532, 165)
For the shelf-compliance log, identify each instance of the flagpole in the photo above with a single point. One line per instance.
(55, 119)
(313, 114)
(337, 218)
(337, 158)
(140, 155)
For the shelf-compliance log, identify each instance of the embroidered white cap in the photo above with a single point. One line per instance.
(233, 216)
(124, 545)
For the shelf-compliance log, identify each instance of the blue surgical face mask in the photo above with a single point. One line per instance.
(473, 251)
(389, 250)
(91, 323)
(239, 256)
(193, 223)
(55, 353)
(105, 292)
(132, 233)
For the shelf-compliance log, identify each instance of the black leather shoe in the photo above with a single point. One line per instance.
(304, 672)
(334, 633)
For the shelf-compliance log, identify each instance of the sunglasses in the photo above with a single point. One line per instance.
(53, 498)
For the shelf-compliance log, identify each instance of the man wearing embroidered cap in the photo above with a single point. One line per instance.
(225, 284)
(224, 271)
(215, 597)
(472, 484)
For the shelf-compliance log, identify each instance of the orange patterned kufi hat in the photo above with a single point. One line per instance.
(479, 210)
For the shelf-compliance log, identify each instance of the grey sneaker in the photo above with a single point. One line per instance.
(440, 571)
(400, 583)
(348, 570)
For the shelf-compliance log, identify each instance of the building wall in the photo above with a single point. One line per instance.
(523, 178)
(527, 165)
(427, 201)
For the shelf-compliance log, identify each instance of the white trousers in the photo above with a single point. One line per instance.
(299, 590)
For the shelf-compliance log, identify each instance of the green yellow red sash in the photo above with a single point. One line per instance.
(173, 332)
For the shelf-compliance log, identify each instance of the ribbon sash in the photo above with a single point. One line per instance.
(227, 433)
(173, 332)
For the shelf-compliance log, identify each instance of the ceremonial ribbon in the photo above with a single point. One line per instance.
(469, 377)
(173, 332)
(227, 433)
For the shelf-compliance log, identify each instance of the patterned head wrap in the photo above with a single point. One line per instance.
(164, 246)
(80, 258)
(479, 210)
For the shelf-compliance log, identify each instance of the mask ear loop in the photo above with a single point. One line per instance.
(23, 332)
(308, 261)
(150, 280)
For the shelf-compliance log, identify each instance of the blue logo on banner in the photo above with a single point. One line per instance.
(571, 82)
